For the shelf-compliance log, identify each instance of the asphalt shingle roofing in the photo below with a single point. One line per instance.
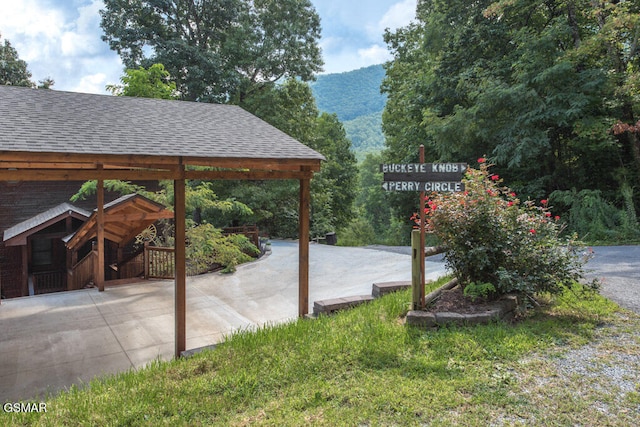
(49, 121)
(43, 218)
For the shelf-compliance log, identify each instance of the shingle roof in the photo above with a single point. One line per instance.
(49, 121)
(123, 230)
(43, 218)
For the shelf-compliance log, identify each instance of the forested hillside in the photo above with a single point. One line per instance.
(365, 133)
(548, 92)
(355, 97)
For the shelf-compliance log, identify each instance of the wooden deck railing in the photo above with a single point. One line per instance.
(82, 273)
(133, 267)
(48, 281)
(154, 262)
(159, 263)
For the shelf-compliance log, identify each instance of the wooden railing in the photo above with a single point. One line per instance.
(48, 281)
(83, 272)
(159, 263)
(154, 262)
(133, 267)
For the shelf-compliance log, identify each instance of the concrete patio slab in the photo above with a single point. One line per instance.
(49, 342)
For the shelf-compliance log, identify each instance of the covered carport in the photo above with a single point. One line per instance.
(62, 136)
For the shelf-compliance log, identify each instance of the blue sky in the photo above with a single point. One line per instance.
(61, 38)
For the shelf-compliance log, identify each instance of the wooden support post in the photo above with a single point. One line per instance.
(180, 265)
(25, 268)
(145, 256)
(100, 235)
(69, 269)
(303, 262)
(416, 285)
(423, 275)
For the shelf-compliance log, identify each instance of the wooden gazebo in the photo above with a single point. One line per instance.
(124, 218)
(62, 136)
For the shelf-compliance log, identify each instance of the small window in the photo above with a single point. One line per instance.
(41, 252)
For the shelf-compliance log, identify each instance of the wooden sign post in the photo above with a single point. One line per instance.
(422, 177)
(423, 274)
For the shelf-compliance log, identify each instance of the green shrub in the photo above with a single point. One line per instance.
(492, 237)
(475, 290)
(597, 220)
(207, 246)
(359, 232)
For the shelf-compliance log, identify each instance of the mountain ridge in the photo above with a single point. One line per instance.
(354, 96)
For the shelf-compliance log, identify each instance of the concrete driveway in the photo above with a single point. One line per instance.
(49, 342)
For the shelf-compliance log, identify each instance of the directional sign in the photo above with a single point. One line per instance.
(440, 186)
(423, 176)
(459, 168)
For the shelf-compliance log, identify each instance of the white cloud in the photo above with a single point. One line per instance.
(30, 19)
(398, 15)
(374, 54)
(355, 37)
(61, 40)
(84, 35)
(349, 58)
(92, 83)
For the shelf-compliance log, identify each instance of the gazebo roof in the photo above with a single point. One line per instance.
(67, 130)
(17, 235)
(125, 218)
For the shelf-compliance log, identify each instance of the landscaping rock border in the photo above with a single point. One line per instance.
(503, 309)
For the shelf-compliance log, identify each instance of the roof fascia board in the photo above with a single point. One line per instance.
(87, 161)
(148, 175)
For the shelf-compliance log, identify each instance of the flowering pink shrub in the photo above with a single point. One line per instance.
(493, 237)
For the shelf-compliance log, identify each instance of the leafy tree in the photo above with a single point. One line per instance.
(146, 83)
(340, 169)
(46, 83)
(374, 222)
(538, 86)
(13, 70)
(290, 107)
(216, 50)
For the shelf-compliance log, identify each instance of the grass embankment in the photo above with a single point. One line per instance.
(571, 363)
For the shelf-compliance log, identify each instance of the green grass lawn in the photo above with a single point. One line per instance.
(571, 362)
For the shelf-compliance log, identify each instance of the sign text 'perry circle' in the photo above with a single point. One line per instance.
(440, 177)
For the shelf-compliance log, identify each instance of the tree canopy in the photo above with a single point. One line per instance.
(216, 50)
(146, 83)
(549, 91)
(13, 70)
(290, 107)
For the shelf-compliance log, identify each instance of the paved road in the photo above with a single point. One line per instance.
(618, 267)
